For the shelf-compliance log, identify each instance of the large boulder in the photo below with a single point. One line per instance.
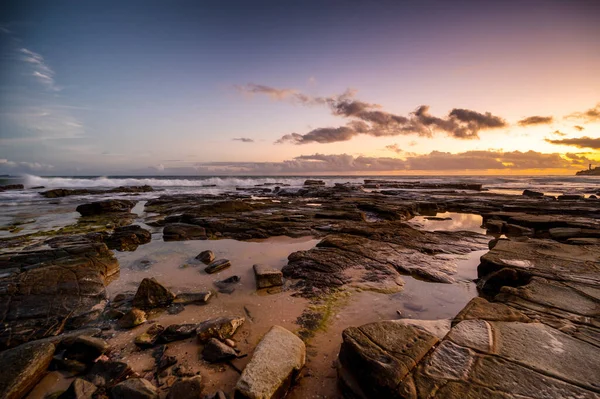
(151, 294)
(221, 328)
(183, 232)
(134, 388)
(79, 389)
(106, 206)
(128, 238)
(275, 364)
(267, 276)
(23, 367)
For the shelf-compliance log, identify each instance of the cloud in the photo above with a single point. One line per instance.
(42, 72)
(21, 167)
(369, 119)
(536, 120)
(591, 115)
(159, 168)
(395, 148)
(579, 128)
(244, 139)
(559, 133)
(579, 142)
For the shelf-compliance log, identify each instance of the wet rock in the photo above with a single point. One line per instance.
(22, 368)
(106, 206)
(177, 332)
(570, 197)
(75, 367)
(190, 388)
(150, 337)
(52, 290)
(79, 389)
(8, 187)
(186, 298)
(275, 364)
(128, 238)
(183, 232)
(217, 266)
(481, 309)
(183, 371)
(85, 349)
(267, 277)
(133, 318)
(513, 230)
(310, 182)
(61, 192)
(495, 226)
(227, 286)
(151, 294)
(216, 351)
(108, 373)
(134, 388)
(378, 356)
(533, 194)
(221, 328)
(206, 257)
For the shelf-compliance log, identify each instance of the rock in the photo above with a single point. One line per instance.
(221, 328)
(481, 309)
(151, 294)
(216, 351)
(133, 318)
(183, 231)
(177, 332)
(75, 367)
(275, 364)
(79, 389)
(150, 337)
(217, 266)
(378, 356)
(52, 290)
(495, 226)
(570, 197)
(85, 349)
(513, 230)
(7, 187)
(134, 388)
(106, 206)
(187, 298)
(216, 395)
(267, 277)
(22, 368)
(226, 286)
(190, 388)
(206, 257)
(61, 192)
(531, 193)
(310, 182)
(128, 238)
(108, 373)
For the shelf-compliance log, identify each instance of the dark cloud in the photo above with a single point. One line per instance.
(536, 120)
(579, 142)
(591, 115)
(244, 139)
(559, 133)
(579, 159)
(369, 119)
(579, 128)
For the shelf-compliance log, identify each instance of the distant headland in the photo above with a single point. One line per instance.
(589, 172)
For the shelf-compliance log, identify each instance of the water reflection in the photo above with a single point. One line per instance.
(449, 221)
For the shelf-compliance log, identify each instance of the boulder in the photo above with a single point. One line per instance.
(150, 337)
(106, 206)
(513, 230)
(221, 328)
(134, 388)
(570, 197)
(186, 298)
(22, 368)
(108, 373)
(311, 182)
(133, 318)
(226, 286)
(79, 389)
(216, 351)
(533, 194)
(84, 349)
(190, 388)
(128, 238)
(217, 266)
(206, 257)
(177, 332)
(151, 294)
(267, 276)
(7, 187)
(183, 232)
(275, 364)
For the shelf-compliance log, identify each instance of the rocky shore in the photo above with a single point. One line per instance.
(531, 329)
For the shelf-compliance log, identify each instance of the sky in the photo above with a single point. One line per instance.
(299, 87)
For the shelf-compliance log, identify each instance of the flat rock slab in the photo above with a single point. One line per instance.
(183, 232)
(216, 351)
(186, 298)
(217, 266)
(23, 367)
(378, 356)
(267, 276)
(275, 363)
(107, 206)
(48, 291)
(221, 328)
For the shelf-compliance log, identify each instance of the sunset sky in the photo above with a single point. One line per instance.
(299, 87)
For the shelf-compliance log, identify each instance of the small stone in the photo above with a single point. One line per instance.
(230, 342)
(85, 349)
(206, 257)
(226, 286)
(182, 371)
(216, 351)
(149, 338)
(133, 318)
(217, 266)
(134, 388)
(79, 389)
(185, 298)
(152, 294)
(177, 332)
(190, 388)
(267, 277)
(221, 328)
